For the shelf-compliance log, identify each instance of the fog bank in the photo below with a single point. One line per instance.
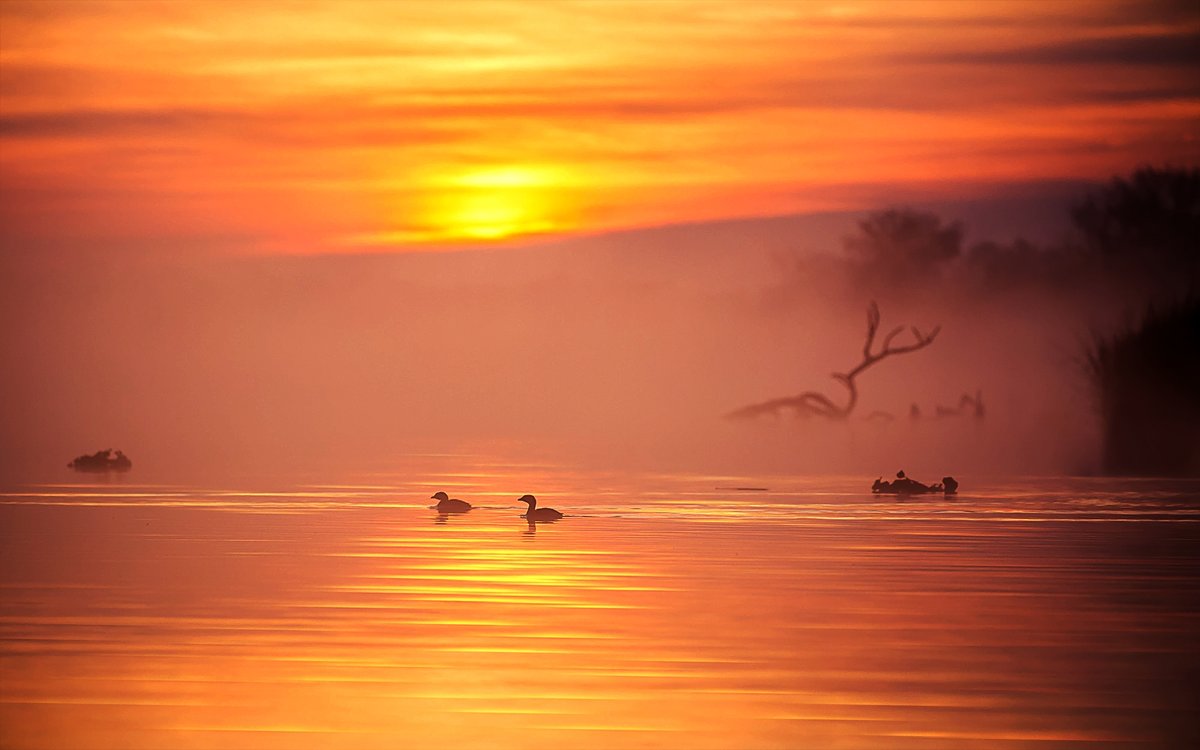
(609, 353)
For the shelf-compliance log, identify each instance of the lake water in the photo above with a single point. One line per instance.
(666, 611)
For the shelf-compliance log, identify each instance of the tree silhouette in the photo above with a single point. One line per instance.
(1150, 219)
(901, 245)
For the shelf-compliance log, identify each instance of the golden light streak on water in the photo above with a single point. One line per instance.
(1042, 613)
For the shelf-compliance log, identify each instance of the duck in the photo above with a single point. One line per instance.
(448, 505)
(538, 514)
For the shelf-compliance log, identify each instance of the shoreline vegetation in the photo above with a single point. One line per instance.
(1134, 245)
(1146, 384)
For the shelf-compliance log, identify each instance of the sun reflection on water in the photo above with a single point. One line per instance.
(810, 615)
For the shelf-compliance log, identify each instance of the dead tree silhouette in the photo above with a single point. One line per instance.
(811, 403)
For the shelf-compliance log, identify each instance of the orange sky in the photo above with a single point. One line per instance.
(334, 127)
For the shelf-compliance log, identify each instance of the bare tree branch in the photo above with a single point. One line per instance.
(812, 403)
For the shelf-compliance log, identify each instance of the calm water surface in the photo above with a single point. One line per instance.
(664, 612)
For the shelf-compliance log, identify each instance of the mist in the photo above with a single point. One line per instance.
(620, 351)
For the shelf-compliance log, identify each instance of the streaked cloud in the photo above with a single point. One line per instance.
(1165, 49)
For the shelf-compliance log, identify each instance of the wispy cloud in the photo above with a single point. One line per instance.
(1162, 49)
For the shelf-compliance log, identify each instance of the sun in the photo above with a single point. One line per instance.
(480, 204)
(498, 203)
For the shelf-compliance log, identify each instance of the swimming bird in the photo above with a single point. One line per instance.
(447, 505)
(538, 514)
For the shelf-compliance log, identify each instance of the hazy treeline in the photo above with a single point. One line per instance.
(1139, 234)
(1120, 288)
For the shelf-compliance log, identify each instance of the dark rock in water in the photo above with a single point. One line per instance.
(102, 461)
(902, 485)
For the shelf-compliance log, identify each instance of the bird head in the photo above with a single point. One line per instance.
(440, 496)
(527, 499)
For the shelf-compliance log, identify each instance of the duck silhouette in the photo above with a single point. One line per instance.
(448, 505)
(538, 514)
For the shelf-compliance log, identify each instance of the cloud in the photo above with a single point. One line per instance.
(1162, 50)
(88, 122)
